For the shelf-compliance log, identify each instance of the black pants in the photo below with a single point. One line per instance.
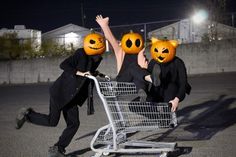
(71, 116)
(133, 73)
(158, 95)
(163, 93)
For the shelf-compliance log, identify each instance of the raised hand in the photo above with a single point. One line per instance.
(102, 21)
(142, 60)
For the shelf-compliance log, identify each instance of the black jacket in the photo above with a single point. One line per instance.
(131, 72)
(68, 85)
(173, 72)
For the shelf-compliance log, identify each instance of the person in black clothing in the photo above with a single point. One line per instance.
(68, 91)
(169, 79)
(128, 69)
(131, 72)
(173, 82)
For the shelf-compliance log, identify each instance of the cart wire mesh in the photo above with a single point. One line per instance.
(140, 116)
(127, 114)
(132, 114)
(112, 89)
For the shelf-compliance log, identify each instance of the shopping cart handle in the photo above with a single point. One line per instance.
(98, 73)
(107, 78)
(86, 75)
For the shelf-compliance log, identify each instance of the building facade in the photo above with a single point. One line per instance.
(24, 35)
(69, 36)
(186, 31)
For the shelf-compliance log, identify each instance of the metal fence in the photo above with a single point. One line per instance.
(142, 28)
(182, 29)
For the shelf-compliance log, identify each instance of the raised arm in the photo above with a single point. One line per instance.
(119, 53)
(143, 63)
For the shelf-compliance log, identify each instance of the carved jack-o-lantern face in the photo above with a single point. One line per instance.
(94, 44)
(132, 43)
(163, 51)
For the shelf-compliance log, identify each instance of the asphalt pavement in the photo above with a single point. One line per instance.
(206, 118)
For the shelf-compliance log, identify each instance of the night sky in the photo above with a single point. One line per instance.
(46, 15)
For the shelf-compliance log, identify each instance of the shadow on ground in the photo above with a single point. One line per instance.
(216, 115)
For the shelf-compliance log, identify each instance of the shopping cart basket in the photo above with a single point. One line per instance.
(129, 116)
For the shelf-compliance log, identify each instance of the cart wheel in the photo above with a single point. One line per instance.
(164, 154)
(105, 153)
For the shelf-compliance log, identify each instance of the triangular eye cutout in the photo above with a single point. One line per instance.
(156, 50)
(165, 51)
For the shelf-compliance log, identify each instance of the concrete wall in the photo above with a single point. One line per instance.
(43, 69)
(219, 56)
(199, 58)
(30, 71)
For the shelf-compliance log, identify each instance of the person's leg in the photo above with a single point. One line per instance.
(169, 93)
(21, 117)
(155, 76)
(28, 114)
(138, 74)
(124, 76)
(51, 119)
(155, 94)
(71, 116)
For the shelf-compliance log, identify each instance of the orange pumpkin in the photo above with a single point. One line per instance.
(163, 51)
(94, 44)
(132, 43)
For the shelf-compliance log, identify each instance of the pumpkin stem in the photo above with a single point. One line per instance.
(165, 39)
(131, 31)
(92, 30)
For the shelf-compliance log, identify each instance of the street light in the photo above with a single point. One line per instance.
(200, 16)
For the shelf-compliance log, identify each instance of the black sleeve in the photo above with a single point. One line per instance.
(70, 64)
(182, 79)
(94, 63)
(151, 65)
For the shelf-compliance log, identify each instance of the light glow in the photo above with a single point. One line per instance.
(200, 16)
(71, 38)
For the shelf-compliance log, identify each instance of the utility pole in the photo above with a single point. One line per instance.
(145, 32)
(232, 16)
(82, 13)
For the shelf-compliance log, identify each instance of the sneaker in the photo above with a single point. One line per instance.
(156, 75)
(142, 95)
(55, 152)
(21, 117)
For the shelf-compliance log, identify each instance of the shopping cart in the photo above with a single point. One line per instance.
(125, 116)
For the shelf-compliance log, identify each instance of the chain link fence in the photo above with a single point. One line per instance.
(183, 30)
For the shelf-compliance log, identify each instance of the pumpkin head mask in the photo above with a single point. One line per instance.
(94, 44)
(132, 43)
(163, 51)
